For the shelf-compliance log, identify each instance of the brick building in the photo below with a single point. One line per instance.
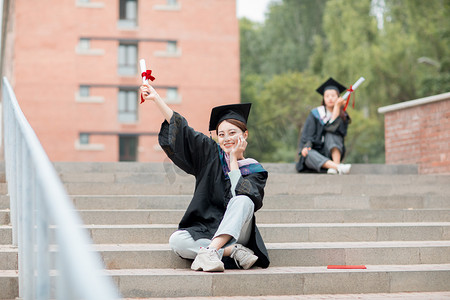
(418, 132)
(74, 67)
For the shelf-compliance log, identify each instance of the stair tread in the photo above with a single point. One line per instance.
(290, 246)
(280, 270)
(367, 296)
(278, 225)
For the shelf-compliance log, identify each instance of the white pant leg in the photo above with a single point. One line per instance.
(185, 246)
(237, 220)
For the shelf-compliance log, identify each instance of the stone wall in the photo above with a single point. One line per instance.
(418, 132)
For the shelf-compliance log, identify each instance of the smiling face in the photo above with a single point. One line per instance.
(228, 134)
(330, 97)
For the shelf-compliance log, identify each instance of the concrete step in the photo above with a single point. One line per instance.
(168, 167)
(4, 202)
(8, 258)
(380, 169)
(3, 188)
(275, 178)
(157, 256)
(366, 296)
(128, 189)
(9, 284)
(4, 217)
(5, 235)
(281, 281)
(300, 179)
(150, 283)
(281, 216)
(151, 256)
(283, 233)
(320, 180)
(110, 202)
(351, 189)
(274, 233)
(283, 188)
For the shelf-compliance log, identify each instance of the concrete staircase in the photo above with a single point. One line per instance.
(388, 218)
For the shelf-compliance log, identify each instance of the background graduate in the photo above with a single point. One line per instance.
(219, 224)
(321, 145)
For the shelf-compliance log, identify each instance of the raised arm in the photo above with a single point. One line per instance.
(149, 93)
(337, 109)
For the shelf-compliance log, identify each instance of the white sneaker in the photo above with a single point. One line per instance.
(344, 168)
(332, 171)
(243, 256)
(207, 260)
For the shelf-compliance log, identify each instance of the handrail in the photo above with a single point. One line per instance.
(56, 256)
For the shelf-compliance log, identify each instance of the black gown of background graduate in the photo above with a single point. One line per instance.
(313, 134)
(201, 156)
(318, 124)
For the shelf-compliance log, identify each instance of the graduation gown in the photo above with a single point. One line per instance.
(314, 130)
(199, 155)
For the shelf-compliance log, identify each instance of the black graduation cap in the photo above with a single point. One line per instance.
(331, 84)
(231, 111)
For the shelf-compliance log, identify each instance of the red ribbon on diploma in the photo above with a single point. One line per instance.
(147, 75)
(350, 90)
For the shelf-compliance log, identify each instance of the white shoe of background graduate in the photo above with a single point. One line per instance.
(332, 171)
(344, 168)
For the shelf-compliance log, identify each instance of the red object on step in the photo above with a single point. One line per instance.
(346, 267)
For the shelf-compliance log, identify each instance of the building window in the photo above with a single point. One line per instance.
(172, 50)
(127, 59)
(84, 91)
(170, 5)
(84, 143)
(89, 3)
(128, 101)
(172, 95)
(84, 138)
(172, 47)
(84, 44)
(84, 47)
(128, 13)
(84, 95)
(128, 148)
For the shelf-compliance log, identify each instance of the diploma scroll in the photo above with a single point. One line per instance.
(353, 87)
(143, 70)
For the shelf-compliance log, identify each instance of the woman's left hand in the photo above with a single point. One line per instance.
(238, 150)
(339, 102)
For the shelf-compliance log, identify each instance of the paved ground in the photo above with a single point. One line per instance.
(415, 296)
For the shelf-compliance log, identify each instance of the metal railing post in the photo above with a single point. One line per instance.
(56, 257)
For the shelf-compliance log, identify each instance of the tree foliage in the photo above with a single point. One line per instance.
(400, 47)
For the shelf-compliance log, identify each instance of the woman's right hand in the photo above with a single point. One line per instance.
(148, 92)
(305, 151)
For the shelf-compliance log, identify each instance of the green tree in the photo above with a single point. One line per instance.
(287, 35)
(251, 49)
(280, 110)
(400, 47)
(416, 40)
